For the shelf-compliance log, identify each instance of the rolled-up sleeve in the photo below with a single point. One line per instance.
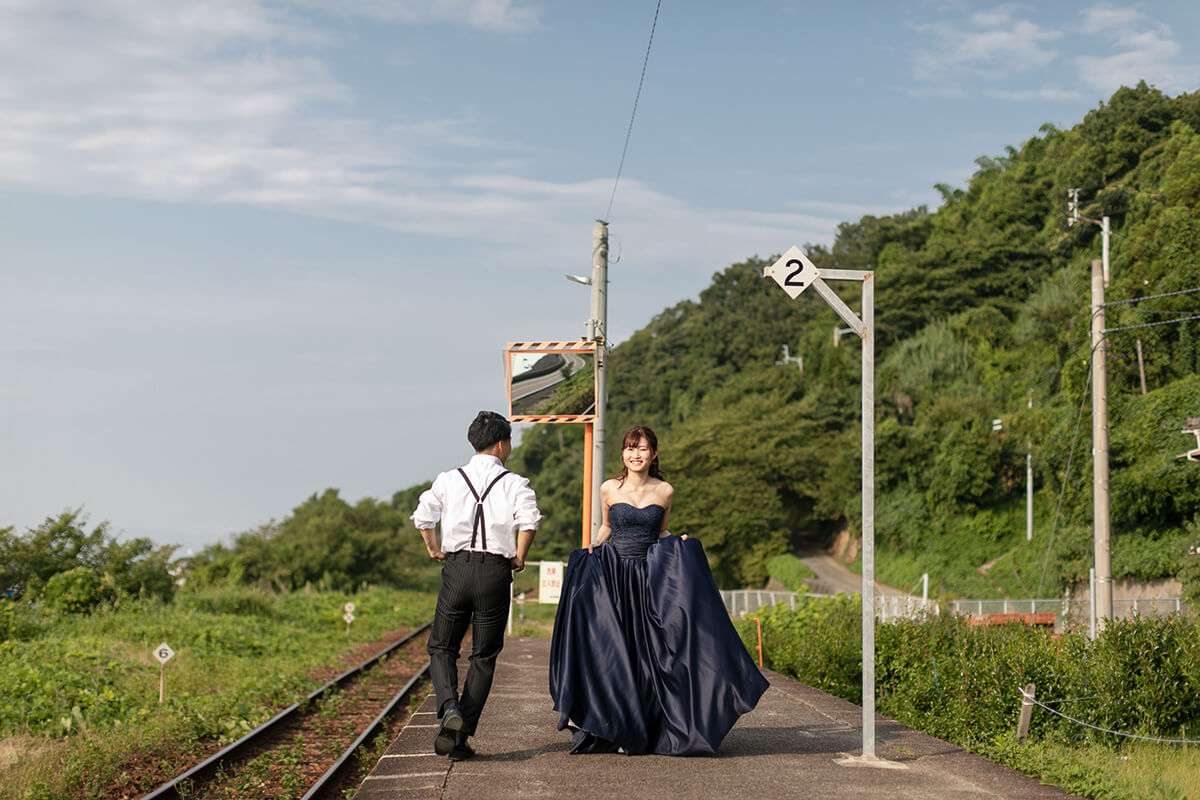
(525, 509)
(429, 509)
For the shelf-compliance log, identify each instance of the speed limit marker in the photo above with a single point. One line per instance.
(163, 653)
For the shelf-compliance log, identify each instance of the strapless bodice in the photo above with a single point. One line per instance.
(634, 529)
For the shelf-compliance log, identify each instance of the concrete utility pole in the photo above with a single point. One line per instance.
(598, 332)
(1100, 487)
(1102, 533)
(1029, 484)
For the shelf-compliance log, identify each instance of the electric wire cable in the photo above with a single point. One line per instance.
(1149, 297)
(636, 98)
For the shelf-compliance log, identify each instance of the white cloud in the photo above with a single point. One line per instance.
(1047, 93)
(1105, 18)
(992, 44)
(1141, 49)
(500, 15)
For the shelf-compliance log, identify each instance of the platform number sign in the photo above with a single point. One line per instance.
(793, 272)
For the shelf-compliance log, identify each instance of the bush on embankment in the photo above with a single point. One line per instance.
(961, 683)
(790, 571)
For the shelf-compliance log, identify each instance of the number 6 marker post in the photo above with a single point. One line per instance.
(795, 273)
(163, 653)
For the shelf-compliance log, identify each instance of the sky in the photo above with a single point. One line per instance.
(252, 249)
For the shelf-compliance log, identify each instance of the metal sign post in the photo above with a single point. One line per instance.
(794, 273)
(163, 653)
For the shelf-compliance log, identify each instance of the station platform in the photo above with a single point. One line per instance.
(790, 746)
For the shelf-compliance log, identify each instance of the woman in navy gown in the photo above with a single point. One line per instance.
(644, 658)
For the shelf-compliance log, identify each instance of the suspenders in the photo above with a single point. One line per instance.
(477, 527)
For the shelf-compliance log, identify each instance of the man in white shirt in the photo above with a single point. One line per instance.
(488, 516)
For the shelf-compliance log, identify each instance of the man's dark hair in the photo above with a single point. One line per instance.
(487, 429)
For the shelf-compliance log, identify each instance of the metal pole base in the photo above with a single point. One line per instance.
(848, 760)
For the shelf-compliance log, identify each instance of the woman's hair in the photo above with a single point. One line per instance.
(631, 439)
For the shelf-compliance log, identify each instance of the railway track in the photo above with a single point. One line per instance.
(308, 750)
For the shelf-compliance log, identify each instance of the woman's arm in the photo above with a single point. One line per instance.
(605, 529)
(666, 496)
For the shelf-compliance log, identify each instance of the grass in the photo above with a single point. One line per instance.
(1137, 771)
(79, 711)
(533, 619)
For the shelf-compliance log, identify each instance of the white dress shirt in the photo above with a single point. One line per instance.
(510, 506)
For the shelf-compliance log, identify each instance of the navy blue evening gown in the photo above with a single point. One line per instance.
(644, 658)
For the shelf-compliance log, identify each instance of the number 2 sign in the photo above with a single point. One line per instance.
(793, 272)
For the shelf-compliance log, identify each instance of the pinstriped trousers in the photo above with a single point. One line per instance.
(475, 592)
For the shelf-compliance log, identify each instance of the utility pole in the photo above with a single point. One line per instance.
(1141, 366)
(1100, 487)
(1029, 484)
(1102, 520)
(598, 332)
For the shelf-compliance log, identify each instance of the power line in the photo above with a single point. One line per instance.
(1066, 480)
(636, 97)
(1150, 297)
(1151, 324)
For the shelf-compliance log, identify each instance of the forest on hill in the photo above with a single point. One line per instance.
(982, 312)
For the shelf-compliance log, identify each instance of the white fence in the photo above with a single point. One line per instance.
(1123, 607)
(741, 602)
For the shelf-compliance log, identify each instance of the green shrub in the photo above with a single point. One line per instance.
(16, 621)
(241, 600)
(73, 591)
(819, 643)
(790, 571)
(962, 683)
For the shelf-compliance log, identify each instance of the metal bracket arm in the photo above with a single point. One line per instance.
(835, 302)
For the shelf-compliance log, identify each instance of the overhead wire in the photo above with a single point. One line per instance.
(632, 116)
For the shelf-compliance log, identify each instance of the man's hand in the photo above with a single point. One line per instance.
(429, 535)
(518, 563)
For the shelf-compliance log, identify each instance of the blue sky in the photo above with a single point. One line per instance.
(250, 250)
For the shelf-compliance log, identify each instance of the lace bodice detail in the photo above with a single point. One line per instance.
(635, 529)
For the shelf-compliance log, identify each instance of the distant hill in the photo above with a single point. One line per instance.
(981, 305)
(982, 309)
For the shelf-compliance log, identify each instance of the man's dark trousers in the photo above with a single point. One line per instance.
(475, 591)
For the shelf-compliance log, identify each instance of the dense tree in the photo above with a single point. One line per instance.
(94, 565)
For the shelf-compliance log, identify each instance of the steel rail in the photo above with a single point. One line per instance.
(334, 773)
(209, 765)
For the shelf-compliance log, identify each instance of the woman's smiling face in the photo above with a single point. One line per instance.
(638, 455)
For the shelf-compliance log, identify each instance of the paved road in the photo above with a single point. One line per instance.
(833, 576)
(791, 746)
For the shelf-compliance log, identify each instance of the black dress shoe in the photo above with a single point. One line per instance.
(461, 751)
(448, 728)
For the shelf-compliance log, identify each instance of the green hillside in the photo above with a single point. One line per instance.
(980, 306)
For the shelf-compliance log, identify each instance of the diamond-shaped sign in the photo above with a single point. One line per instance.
(164, 653)
(793, 272)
